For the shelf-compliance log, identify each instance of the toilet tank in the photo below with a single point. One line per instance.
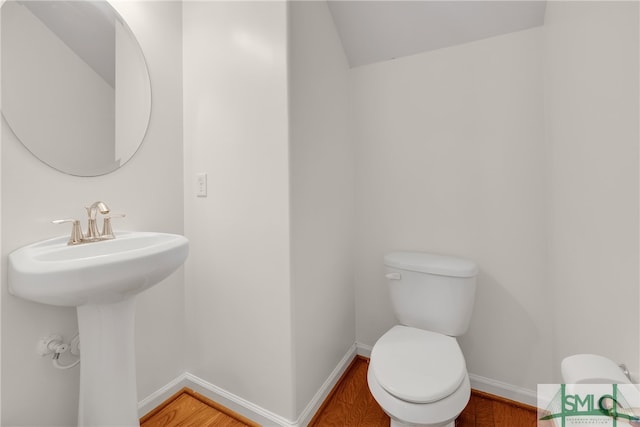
(432, 292)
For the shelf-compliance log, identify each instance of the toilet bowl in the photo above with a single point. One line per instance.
(417, 372)
(418, 377)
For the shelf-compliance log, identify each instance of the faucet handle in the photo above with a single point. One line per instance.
(107, 231)
(76, 230)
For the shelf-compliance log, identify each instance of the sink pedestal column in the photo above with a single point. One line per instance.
(108, 393)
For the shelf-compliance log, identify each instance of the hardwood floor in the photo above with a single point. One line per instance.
(190, 409)
(486, 410)
(350, 404)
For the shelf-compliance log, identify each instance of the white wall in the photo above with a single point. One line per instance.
(149, 190)
(451, 159)
(266, 116)
(520, 152)
(451, 156)
(592, 71)
(239, 320)
(322, 198)
(2, 269)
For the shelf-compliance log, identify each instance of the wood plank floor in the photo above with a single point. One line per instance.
(350, 404)
(486, 410)
(190, 409)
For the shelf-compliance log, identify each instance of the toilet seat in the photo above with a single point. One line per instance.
(439, 413)
(418, 366)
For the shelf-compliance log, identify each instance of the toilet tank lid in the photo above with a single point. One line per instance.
(423, 262)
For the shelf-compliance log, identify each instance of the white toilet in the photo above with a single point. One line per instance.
(417, 372)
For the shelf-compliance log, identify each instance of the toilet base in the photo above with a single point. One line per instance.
(396, 423)
(405, 414)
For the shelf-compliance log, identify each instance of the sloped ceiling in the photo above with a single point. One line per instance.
(374, 31)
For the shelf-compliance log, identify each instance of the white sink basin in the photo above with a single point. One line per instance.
(102, 280)
(52, 272)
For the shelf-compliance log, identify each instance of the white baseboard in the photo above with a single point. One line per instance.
(270, 419)
(236, 403)
(229, 400)
(508, 391)
(156, 398)
(364, 350)
(244, 407)
(326, 388)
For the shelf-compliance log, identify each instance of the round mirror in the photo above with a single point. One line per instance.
(75, 84)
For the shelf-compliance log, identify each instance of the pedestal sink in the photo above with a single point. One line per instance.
(102, 280)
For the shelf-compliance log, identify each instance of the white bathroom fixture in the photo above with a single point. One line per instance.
(52, 272)
(102, 280)
(592, 369)
(417, 372)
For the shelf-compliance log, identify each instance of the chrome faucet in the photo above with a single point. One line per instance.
(92, 235)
